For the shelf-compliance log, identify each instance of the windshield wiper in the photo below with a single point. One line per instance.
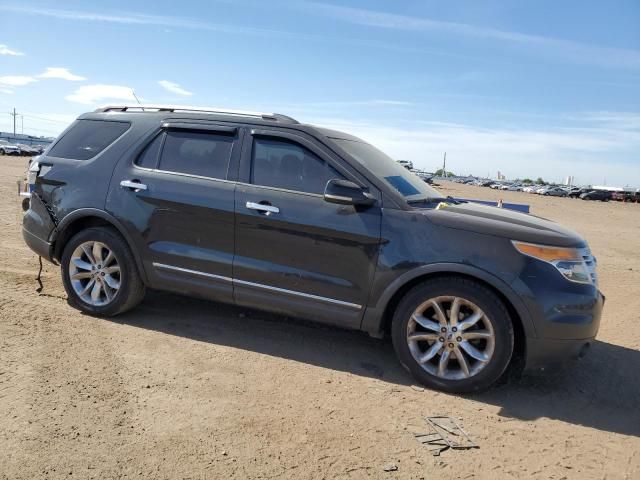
(435, 200)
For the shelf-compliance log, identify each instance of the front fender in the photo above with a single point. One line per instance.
(373, 321)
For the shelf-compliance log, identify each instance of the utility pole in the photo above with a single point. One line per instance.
(14, 120)
(444, 166)
(22, 124)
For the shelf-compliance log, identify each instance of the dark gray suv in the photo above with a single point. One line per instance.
(259, 210)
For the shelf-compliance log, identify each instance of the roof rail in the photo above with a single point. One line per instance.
(181, 108)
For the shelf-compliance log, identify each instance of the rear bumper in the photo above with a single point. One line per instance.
(38, 245)
(37, 228)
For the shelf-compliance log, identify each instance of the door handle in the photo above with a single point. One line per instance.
(135, 185)
(268, 209)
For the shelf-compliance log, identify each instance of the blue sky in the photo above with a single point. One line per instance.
(541, 88)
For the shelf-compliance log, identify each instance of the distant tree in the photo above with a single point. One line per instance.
(540, 181)
(527, 180)
(440, 173)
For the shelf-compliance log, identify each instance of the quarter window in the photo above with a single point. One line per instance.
(196, 153)
(288, 165)
(87, 138)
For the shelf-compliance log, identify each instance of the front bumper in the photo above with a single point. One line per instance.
(553, 354)
(566, 316)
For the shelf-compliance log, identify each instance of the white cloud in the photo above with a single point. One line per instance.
(94, 94)
(61, 73)
(128, 18)
(174, 88)
(5, 50)
(576, 51)
(6, 91)
(173, 22)
(16, 80)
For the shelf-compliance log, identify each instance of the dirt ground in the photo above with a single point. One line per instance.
(182, 388)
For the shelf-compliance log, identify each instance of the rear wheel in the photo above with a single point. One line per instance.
(453, 334)
(99, 273)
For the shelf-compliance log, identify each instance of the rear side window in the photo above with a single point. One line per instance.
(87, 138)
(197, 153)
(288, 165)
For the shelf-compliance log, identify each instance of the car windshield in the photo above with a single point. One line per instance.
(408, 184)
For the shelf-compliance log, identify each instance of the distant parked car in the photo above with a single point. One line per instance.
(28, 150)
(575, 193)
(555, 192)
(426, 178)
(7, 148)
(625, 196)
(601, 195)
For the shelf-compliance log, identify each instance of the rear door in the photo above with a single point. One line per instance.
(177, 204)
(295, 252)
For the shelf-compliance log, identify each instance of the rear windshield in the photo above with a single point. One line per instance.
(408, 184)
(87, 138)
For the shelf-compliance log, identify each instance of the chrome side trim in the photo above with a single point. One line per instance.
(259, 285)
(193, 272)
(299, 294)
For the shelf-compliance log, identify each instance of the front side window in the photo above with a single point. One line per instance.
(285, 164)
(409, 185)
(87, 138)
(197, 153)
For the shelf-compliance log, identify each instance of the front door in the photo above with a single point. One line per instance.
(296, 253)
(177, 205)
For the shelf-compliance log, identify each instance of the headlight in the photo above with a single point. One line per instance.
(568, 261)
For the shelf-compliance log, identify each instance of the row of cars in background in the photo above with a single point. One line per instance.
(584, 193)
(20, 149)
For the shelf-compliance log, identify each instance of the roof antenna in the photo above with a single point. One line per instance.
(137, 99)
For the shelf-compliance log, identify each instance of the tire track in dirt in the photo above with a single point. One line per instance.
(54, 356)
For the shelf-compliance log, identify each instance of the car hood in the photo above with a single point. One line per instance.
(504, 223)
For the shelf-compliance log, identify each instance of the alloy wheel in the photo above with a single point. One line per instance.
(450, 337)
(94, 272)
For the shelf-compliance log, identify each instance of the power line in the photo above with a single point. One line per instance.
(35, 117)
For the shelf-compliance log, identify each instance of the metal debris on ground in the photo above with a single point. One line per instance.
(444, 433)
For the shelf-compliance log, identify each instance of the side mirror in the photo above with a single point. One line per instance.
(345, 192)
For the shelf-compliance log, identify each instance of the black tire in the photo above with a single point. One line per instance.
(2, 152)
(482, 297)
(131, 290)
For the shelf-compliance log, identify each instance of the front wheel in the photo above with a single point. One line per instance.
(99, 273)
(453, 334)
